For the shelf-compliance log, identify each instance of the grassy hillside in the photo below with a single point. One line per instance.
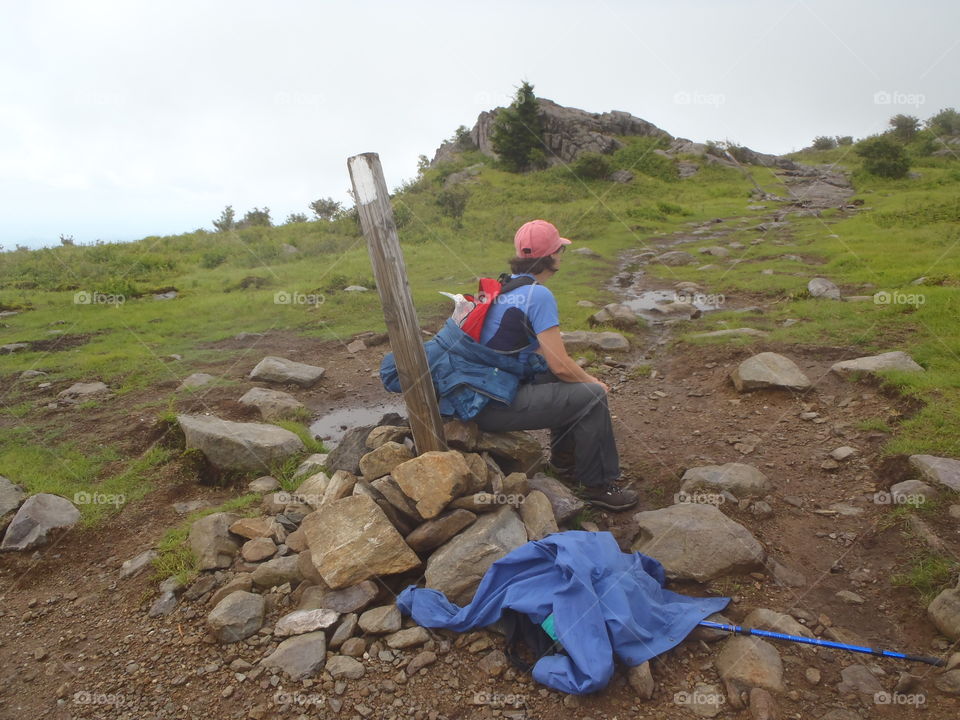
(237, 282)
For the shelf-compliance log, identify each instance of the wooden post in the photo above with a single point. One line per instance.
(376, 219)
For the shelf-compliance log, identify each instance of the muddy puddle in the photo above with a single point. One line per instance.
(330, 428)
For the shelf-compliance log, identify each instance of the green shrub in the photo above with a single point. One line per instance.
(884, 157)
(904, 127)
(945, 122)
(824, 142)
(638, 156)
(453, 202)
(212, 258)
(592, 166)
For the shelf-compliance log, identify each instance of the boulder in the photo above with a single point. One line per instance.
(675, 258)
(944, 612)
(641, 680)
(11, 495)
(341, 666)
(81, 392)
(273, 404)
(403, 525)
(382, 461)
(299, 656)
(277, 572)
(351, 599)
(352, 540)
(565, 504)
(388, 487)
(616, 314)
(411, 637)
(938, 470)
(461, 435)
(340, 486)
(537, 514)
(37, 519)
(239, 446)
(138, 564)
(387, 433)
(515, 484)
(457, 567)
(764, 619)
(281, 370)
(480, 478)
(263, 484)
(195, 380)
(821, 287)
(748, 662)
(769, 370)
(241, 581)
(381, 620)
(896, 360)
(344, 631)
(211, 541)
(738, 478)
(434, 533)
(346, 455)
(515, 451)
(253, 527)
(312, 490)
(697, 542)
(313, 464)
(237, 616)
(303, 621)
(579, 340)
(858, 680)
(432, 480)
(482, 502)
(258, 549)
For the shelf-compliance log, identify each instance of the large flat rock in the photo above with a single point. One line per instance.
(944, 612)
(38, 517)
(897, 360)
(938, 470)
(457, 567)
(769, 370)
(697, 542)
(272, 403)
(212, 542)
(352, 540)
(432, 480)
(738, 478)
(280, 370)
(239, 446)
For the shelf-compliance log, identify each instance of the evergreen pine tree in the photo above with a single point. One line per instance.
(517, 134)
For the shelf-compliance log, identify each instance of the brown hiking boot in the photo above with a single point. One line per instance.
(610, 497)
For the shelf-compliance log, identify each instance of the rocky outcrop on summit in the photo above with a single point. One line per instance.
(567, 132)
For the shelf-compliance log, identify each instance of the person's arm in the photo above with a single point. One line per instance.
(559, 362)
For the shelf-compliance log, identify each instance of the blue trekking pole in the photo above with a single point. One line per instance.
(738, 630)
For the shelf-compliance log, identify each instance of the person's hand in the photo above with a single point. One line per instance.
(606, 388)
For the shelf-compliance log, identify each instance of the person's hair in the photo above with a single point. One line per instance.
(520, 265)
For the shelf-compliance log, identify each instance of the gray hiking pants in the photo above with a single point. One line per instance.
(579, 422)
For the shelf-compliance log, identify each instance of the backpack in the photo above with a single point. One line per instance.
(479, 305)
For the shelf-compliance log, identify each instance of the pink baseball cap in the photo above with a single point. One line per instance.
(538, 238)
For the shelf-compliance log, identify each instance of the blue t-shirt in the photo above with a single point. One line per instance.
(515, 318)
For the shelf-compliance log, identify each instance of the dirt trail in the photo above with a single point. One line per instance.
(76, 642)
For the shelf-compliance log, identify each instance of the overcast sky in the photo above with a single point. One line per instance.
(120, 120)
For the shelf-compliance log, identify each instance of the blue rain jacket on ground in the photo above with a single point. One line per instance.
(466, 374)
(605, 604)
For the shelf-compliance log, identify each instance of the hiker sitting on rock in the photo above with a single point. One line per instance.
(500, 362)
(566, 399)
